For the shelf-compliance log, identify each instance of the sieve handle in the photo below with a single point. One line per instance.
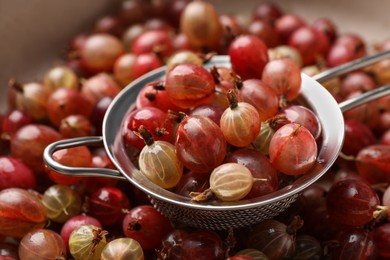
(77, 171)
(351, 66)
(364, 98)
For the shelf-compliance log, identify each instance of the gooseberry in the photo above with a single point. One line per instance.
(147, 226)
(240, 123)
(248, 56)
(200, 144)
(351, 202)
(189, 85)
(20, 212)
(228, 182)
(122, 248)
(87, 242)
(42, 244)
(61, 203)
(293, 149)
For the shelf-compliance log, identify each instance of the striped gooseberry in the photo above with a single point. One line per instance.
(61, 203)
(240, 123)
(158, 161)
(122, 248)
(228, 182)
(87, 242)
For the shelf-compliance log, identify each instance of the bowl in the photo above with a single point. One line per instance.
(213, 214)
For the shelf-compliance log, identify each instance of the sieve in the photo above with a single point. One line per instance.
(219, 215)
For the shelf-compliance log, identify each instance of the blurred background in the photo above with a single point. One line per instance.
(35, 33)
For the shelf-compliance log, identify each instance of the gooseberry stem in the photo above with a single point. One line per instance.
(296, 129)
(259, 179)
(282, 101)
(379, 210)
(379, 215)
(145, 135)
(98, 235)
(230, 242)
(206, 56)
(236, 80)
(176, 116)
(125, 211)
(277, 120)
(134, 225)
(161, 131)
(214, 72)
(158, 85)
(202, 196)
(15, 85)
(347, 157)
(151, 96)
(295, 224)
(232, 97)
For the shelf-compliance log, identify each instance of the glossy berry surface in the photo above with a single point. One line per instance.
(356, 243)
(240, 123)
(146, 225)
(21, 212)
(107, 204)
(260, 167)
(273, 238)
(61, 203)
(351, 202)
(187, 243)
(293, 149)
(189, 85)
(248, 55)
(14, 173)
(261, 96)
(373, 163)
(42, 244)
(159, 163)
(200, 144)
(30, 141)
(122, 248)
(381, 236)
(75, 222)
(153, 119)
(87, 242)
(231, 181)
(284, 76)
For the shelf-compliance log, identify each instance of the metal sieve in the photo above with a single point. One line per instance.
(215, 214)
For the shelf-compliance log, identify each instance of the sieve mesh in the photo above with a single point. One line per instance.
(221, 219)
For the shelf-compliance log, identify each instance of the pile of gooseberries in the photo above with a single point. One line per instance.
(175, 143)
(206, 133)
